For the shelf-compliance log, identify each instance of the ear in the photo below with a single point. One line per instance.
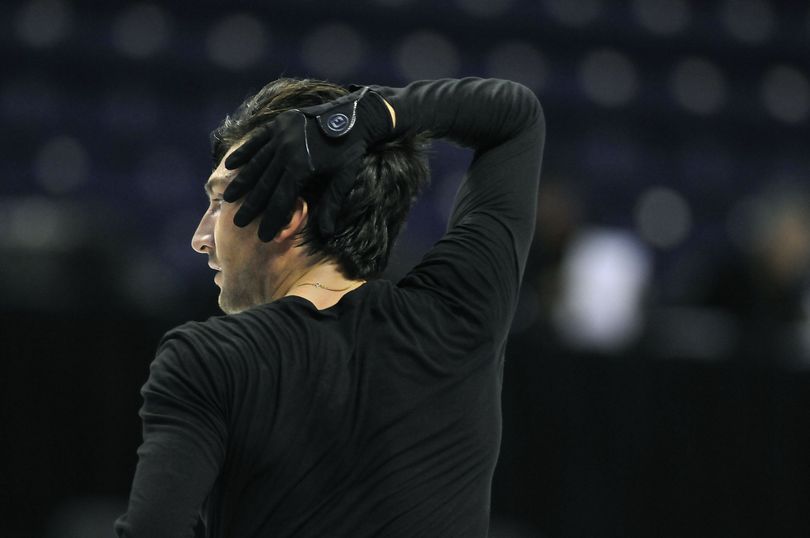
(298, 219)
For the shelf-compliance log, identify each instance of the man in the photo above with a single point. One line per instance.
(329, 403)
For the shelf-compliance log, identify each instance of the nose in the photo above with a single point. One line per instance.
(203, 239)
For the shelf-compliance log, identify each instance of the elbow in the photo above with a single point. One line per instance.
(528, 111)
(533, 109)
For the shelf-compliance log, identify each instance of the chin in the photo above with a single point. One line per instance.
(228, 308)
(231, 303)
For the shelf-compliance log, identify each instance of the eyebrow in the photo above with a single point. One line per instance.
(209, 185)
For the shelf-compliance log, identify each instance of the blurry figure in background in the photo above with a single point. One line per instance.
(532, 373)
(559, 215)
(605, 275)
(329, 402)
(769, 293)
(756, 292)
(582, 302)
(585, 286)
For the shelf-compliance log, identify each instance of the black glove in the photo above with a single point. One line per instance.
(280, 158)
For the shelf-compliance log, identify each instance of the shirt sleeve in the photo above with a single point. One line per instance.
(477, 266)
(184, 439)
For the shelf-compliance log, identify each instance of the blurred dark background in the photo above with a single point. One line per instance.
(657, 377)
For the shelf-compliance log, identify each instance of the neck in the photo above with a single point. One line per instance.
(323, 285)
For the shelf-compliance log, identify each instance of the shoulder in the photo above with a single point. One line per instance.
(233, 344)
(189, 360)
(193, 344)
(226, 333)
(202, 361)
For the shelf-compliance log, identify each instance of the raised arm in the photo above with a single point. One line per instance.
(484, 252)
(473, 112)
(328, 140)
(478, 265)
(493, 220)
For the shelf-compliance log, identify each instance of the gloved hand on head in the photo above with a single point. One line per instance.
(280, 158)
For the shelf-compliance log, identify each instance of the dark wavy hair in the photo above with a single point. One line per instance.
(391, 176)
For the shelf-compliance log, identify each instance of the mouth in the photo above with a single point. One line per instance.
(213, 266)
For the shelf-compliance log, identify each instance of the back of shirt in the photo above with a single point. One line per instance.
(376, 417)
(379, 416)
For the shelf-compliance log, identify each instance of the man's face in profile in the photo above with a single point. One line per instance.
(240, 259)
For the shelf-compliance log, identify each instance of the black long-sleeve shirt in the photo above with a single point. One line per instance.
(378, 416)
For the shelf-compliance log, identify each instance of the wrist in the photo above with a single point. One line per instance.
(391, 111)
(378, 116)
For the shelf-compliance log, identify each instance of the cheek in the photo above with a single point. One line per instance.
(225, 221)
(228, 236)
(220, 235)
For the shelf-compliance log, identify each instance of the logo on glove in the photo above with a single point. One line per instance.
(337, 122)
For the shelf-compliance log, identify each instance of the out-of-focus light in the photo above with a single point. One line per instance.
(61, 165)
(141, 30)
(485, 8)
(604, 275)
(42, 23)
(427, 55)
(518, 61)
(774, 223)
(698, 86)
(237, 42)
(333, 51)
(786, 94)
(574, 13)
(662, 17)
(663, 217)
(36, 223)
(165, 175)
(751, 21)
(608, 78)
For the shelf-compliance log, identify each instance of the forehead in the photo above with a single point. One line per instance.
(221, 176)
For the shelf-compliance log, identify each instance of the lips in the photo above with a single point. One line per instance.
(214, 266)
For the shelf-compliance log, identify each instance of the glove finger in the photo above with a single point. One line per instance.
(249, 174)
(333, 198)
(258, 197)
(260, 137)
(279, 208)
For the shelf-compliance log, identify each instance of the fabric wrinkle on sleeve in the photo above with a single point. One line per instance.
(184, 440)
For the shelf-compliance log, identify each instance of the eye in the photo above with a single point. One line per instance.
(215, 204)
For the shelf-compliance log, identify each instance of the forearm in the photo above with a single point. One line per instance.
(477, 113)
